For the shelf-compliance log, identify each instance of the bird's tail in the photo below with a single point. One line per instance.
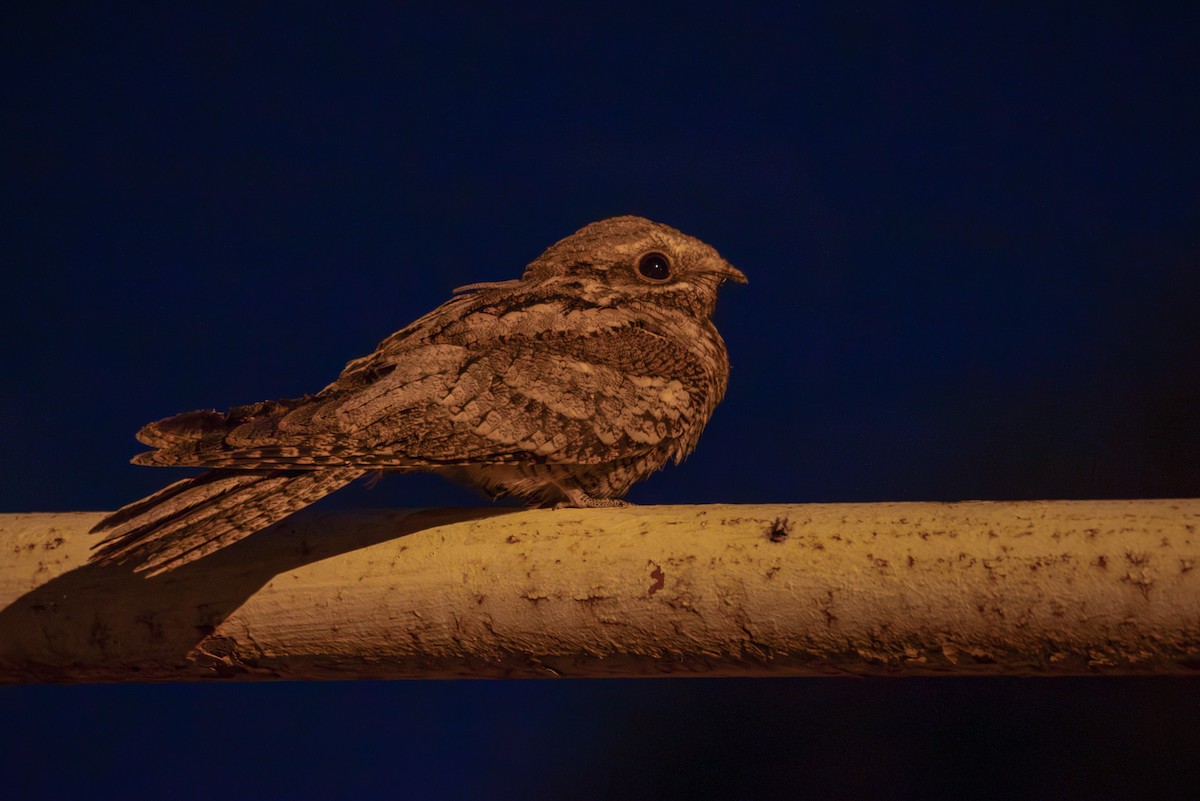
(196, 516)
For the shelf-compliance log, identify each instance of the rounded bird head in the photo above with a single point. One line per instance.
(629, 259)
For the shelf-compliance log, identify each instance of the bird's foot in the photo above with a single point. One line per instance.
(578, 499)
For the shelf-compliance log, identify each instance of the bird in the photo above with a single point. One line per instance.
(563, 388)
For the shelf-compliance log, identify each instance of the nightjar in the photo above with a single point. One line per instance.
(564, 387)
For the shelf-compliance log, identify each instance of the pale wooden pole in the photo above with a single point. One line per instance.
(1028, 588)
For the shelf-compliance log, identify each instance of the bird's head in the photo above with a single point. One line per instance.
(629, 259)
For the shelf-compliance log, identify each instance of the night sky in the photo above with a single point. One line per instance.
(973, 244)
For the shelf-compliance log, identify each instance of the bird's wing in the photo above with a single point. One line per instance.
(558, 397)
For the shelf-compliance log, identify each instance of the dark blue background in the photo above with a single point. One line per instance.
(973, 240)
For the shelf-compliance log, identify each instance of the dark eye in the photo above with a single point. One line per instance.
(654, 266)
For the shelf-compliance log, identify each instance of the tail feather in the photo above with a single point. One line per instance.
(208, 510)
(251, 510)
(196, 516)
(173, 500)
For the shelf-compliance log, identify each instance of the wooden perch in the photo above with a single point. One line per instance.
(1030, 588)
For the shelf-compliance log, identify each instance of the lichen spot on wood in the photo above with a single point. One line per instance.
(779, 530)
(660, 579)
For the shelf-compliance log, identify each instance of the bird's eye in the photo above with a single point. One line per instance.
(654, 266)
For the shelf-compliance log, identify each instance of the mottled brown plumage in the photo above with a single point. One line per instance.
(593, 370)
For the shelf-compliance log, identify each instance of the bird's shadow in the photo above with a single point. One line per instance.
(108, 623)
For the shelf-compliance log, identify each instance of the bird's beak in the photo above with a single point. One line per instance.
(728, 271)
